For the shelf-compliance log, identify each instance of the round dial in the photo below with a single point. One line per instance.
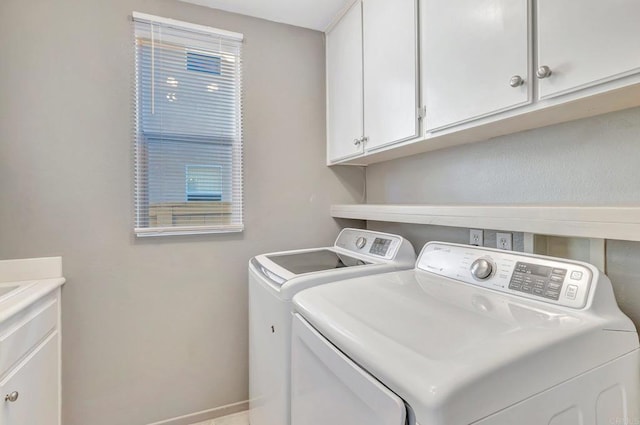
(481, 269)
(361, 242)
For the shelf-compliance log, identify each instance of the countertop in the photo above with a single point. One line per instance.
(34, 278)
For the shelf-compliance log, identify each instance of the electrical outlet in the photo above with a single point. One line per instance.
(476, 237)
(504, 241)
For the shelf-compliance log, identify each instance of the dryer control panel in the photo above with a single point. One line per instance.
(375, 244)
(552, 280)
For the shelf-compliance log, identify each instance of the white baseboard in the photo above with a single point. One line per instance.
(206, 415)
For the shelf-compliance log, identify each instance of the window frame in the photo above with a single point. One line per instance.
(233, 208)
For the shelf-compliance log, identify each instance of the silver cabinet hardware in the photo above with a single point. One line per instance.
(543, 72)
(516, 81)
(11, 397)
(360, 141)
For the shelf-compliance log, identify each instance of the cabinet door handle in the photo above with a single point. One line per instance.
(356, 142)
(11, 397)
(543, 72)
(516, 81)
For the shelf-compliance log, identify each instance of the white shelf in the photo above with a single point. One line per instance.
(606, 222)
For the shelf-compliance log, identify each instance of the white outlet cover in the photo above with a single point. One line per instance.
(504, 241)
(476, 237)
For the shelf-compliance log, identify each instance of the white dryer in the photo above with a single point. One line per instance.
(470, 336)
(275, 278)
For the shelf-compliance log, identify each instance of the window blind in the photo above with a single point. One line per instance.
(188, 128)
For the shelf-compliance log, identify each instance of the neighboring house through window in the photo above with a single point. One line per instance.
(204, 183)
(188, 142)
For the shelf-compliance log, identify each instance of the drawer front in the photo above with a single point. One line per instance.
(22, 333)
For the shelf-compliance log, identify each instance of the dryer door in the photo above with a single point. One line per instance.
(328, 388)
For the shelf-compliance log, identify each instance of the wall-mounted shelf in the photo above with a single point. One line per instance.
(605, 222)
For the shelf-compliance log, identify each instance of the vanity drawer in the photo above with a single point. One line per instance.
(20, 334)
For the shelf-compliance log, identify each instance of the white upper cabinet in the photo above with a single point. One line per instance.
(475, 58)
(390, 71)
(584, 43)
(487, 68)
(344, 87)
(372, 78)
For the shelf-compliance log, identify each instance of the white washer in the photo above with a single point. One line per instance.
(471, 336)
(275, 278)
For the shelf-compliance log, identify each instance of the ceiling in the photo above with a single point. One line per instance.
(313, 14)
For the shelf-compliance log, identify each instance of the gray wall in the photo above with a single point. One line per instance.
(152, 328)
(590, 161)
(594, 161)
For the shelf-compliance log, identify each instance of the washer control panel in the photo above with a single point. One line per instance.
(553, 280)
(380, 246)
(539, 280)
(375, 244)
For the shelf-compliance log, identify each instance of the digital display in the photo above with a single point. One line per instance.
(538, 280)
(380, 246)
(533, 269)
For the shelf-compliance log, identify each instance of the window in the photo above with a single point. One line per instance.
(204, 183)
(188, 135)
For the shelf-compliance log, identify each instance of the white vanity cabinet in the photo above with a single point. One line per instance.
(30, 364)
(585, 43)
(372, 78)
(475, 59)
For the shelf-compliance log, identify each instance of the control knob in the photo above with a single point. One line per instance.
(481, 269)
(361, 242)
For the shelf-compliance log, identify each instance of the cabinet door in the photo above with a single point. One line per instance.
(586, 42)
(344, 86)
(390, 40)
(471, 50)
(36, 381)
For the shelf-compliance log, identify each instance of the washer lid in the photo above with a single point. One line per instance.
(314, 261)
(456, 352)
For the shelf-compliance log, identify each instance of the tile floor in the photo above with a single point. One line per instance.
(241, 418)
